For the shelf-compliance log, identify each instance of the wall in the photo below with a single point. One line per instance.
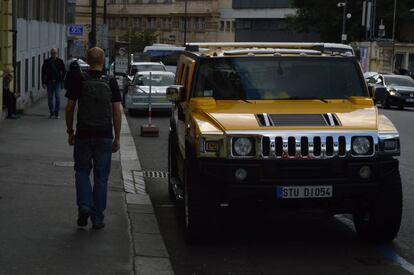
(34, 40)
(6, 43)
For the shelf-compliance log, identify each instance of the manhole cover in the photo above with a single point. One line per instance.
(155, 174)
(64, 163)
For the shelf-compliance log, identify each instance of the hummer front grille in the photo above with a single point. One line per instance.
(304, 146)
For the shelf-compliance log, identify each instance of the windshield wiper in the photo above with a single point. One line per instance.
(304, 97)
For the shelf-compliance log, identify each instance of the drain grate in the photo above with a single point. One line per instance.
(155, 174)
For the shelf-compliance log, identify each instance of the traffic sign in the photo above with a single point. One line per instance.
(75, 30)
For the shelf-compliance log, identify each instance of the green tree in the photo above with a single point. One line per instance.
(139, 40)
(325, 18)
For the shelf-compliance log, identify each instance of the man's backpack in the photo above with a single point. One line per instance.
(94, 104)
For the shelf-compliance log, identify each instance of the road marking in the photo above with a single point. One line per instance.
(385, 250)
(390, 254)
(64, 163)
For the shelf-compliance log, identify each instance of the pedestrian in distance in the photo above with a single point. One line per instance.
(9, 97)
(98, 103)
(53, 73)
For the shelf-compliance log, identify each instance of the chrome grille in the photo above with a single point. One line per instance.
(306, 146)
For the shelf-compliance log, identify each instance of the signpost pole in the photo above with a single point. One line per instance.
(150, 130)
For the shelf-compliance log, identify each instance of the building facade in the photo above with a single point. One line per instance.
(6, 43)
(205, 21)
(40, 26)
(265, 21)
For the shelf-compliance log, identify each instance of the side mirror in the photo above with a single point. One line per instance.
(129, 78)
(176, 93)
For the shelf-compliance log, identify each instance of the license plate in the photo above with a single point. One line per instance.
(409, 100)
(303, 192)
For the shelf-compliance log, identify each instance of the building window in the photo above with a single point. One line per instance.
(227, 26)
(26, 75)
(33, 71)
(38, 72)
(221, 26)
(18, 77)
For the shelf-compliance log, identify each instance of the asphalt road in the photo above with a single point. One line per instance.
(266, 244)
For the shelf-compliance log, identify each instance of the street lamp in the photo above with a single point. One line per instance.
(345, 16)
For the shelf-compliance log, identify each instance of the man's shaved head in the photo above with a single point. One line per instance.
(95, 57)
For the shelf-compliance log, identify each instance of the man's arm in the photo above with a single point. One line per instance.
(69, 112)
(117, 120)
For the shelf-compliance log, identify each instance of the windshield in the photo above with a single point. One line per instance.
(157, 80)
(398, 81)
(146, 68)
(279, 78)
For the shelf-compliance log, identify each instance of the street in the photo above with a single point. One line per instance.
(262, 243)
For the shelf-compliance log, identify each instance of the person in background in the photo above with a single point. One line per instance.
(9, 97)
(53, 73)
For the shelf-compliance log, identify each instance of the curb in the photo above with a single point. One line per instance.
(150, 255)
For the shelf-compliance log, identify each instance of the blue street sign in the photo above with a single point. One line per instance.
(75, 29)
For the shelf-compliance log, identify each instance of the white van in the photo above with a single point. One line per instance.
(167, 54)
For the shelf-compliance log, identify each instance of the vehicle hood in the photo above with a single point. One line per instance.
(218, 116)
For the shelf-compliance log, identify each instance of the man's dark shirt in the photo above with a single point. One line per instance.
(53, 70)
(74, 93)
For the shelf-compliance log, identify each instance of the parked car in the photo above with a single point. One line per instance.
(145, 67)
(137, 97)
(393, 90)
(138, 67)
(284, 128)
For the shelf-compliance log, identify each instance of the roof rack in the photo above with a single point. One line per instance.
(275, 51)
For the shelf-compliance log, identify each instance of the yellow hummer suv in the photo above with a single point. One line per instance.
(284, 125)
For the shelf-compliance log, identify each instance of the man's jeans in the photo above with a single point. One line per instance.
(53, 91)
(93, 153)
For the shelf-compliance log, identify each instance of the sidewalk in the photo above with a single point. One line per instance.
(38, 212)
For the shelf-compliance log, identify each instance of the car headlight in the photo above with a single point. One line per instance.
(393, 92)
(361, 146)
(243, 146)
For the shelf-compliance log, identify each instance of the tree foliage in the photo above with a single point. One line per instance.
(139, 40)
(325, 17)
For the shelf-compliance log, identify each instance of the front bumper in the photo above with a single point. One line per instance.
(263, 177)
(142, 103)
(405, 101)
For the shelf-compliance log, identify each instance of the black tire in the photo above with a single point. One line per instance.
(380, 221)
(172, 163)
(200, 209)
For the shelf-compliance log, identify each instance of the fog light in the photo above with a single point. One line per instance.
(240, 174)
(390, 144)
(365, 172)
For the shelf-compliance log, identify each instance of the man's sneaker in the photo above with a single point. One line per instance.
(98, 226)
(57, 116)
(83, 216)
(51, 116)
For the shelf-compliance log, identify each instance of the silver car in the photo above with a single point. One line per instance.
(137, 98)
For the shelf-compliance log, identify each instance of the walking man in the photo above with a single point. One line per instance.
(53, 73)
(98, 99)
